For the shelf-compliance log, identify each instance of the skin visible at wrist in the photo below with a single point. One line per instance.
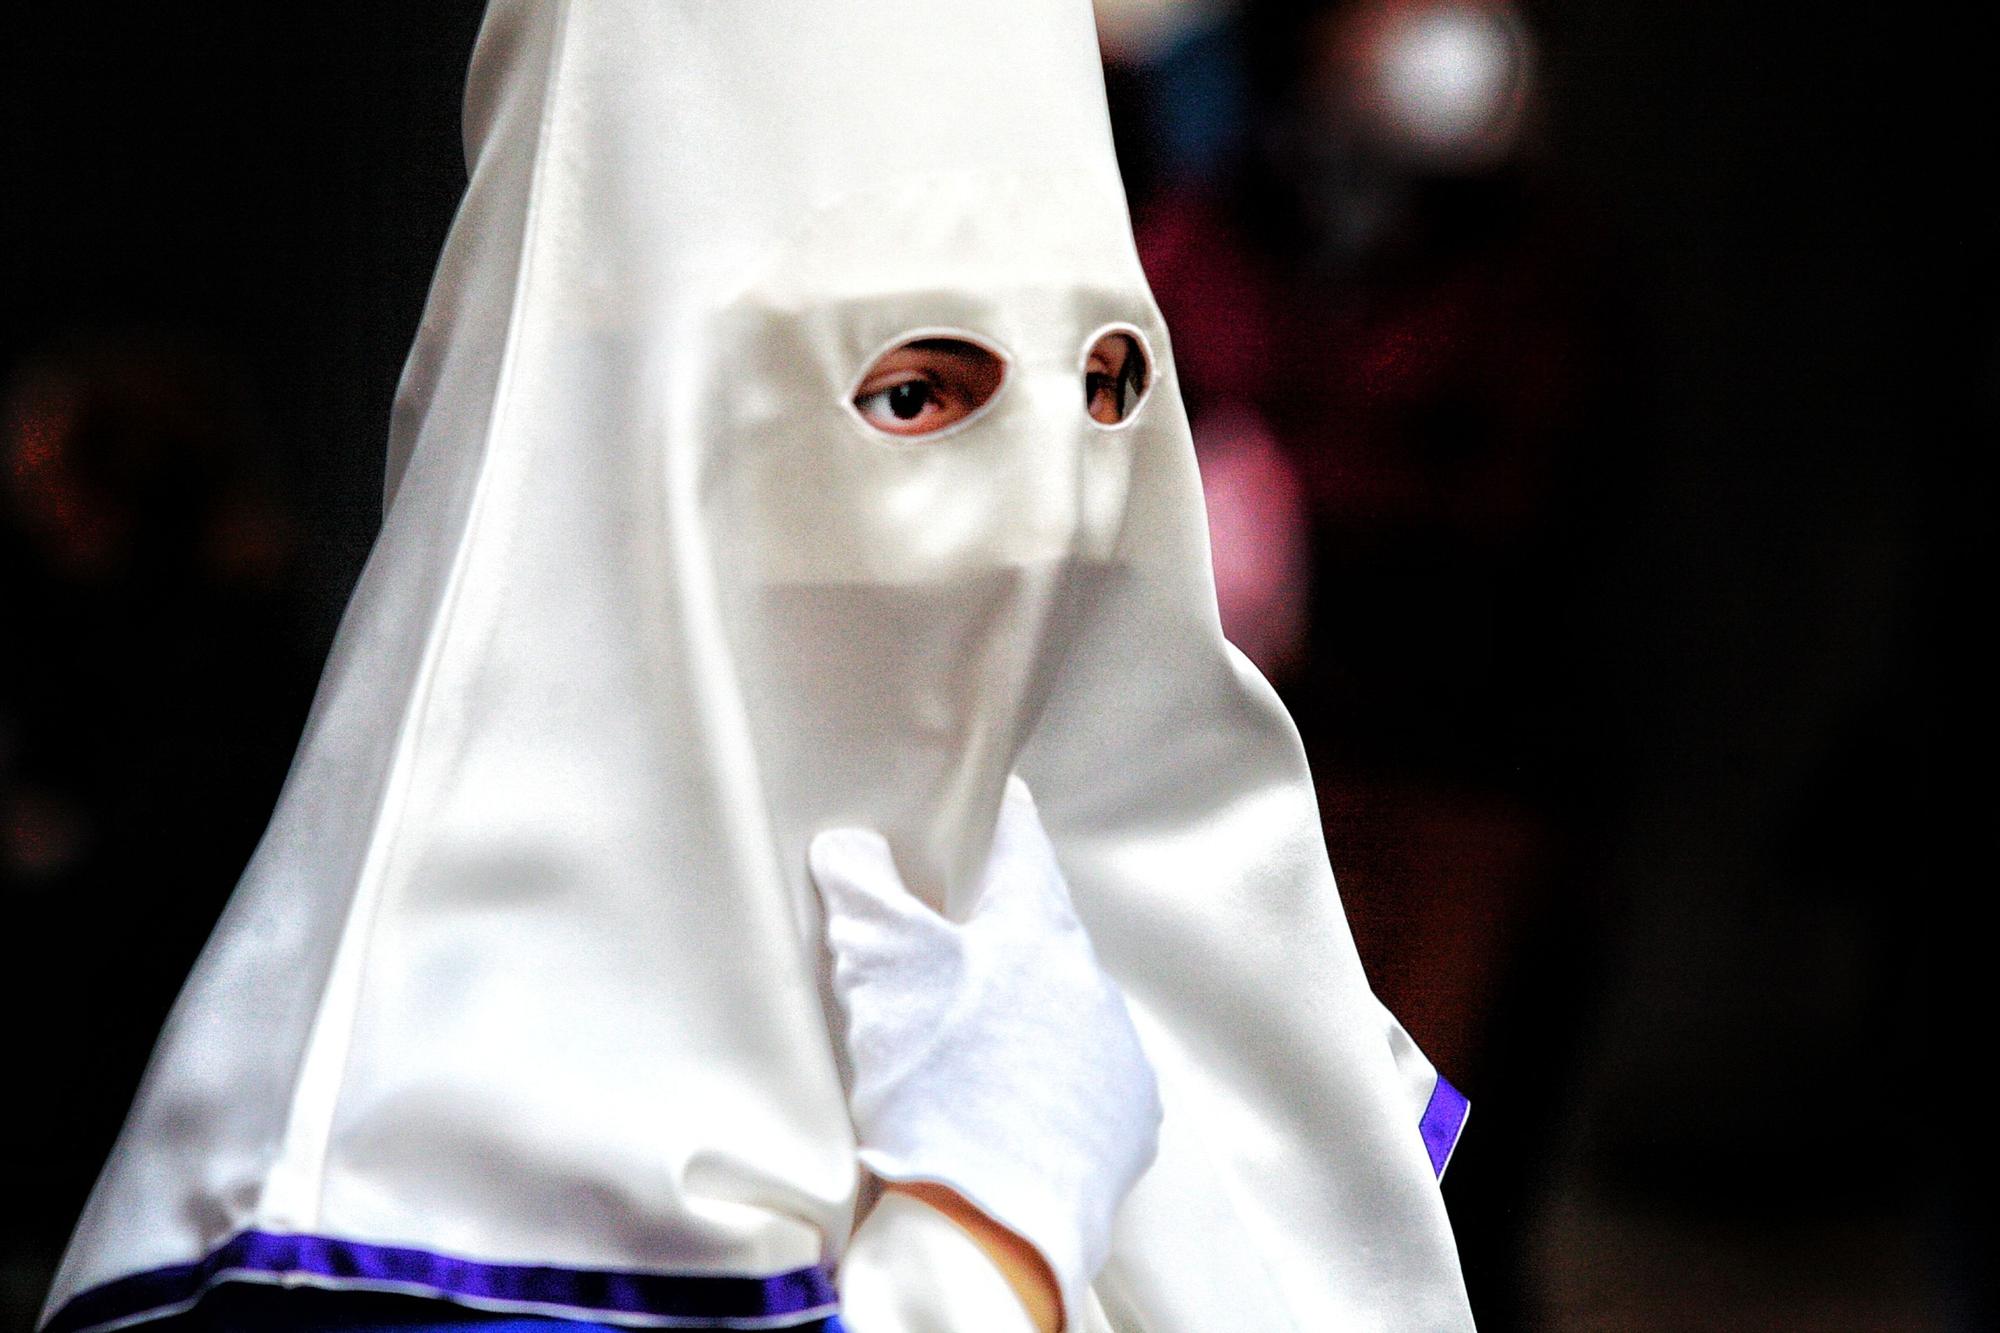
(1019, 1262)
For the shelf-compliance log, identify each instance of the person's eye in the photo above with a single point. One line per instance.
(927, 384)
(1115, 377)
(901, 407)
(1102, 397)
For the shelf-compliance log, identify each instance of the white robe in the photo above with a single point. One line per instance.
(525, 976)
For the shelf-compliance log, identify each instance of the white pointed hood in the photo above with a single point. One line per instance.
(525, 975)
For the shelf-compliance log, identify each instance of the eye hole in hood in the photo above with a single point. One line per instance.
(1116, 375)
(927, 385)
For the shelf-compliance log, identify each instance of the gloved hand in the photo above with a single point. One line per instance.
(994, 1057)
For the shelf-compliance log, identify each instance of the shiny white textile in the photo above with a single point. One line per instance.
(527, 966)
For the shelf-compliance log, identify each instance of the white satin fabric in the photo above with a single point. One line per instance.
(527, 966)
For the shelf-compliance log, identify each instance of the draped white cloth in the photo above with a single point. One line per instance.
(527, 969)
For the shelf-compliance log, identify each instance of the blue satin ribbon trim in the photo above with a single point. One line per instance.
(634, 1300)
(1443, 1121)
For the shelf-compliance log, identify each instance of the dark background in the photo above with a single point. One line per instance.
(1640, 648)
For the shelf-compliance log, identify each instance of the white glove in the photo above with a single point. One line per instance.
(994, 1057)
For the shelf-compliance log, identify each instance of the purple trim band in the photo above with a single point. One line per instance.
(1443, 1122)
(656, 1300)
